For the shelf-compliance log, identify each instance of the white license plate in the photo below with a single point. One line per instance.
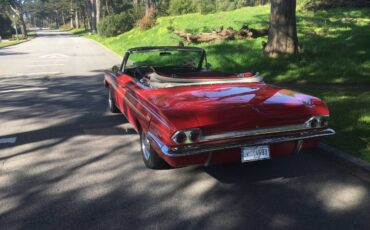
(255, 153)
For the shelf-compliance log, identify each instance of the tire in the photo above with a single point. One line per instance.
(111, 103)
(150, 157)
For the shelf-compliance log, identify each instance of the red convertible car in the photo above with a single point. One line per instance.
(187, 114)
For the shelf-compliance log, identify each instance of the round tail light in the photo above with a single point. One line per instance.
(324, 122)
(180, 138)
(195, 135)
(314, 123)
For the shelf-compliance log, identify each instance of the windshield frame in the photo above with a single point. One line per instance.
(203, 59)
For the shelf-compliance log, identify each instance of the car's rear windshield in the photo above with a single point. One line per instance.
(165, 58)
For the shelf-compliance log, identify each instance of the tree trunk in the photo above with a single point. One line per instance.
(92, 9)
(23, 26)
(57, 18)
(107, 7)
(63, 20)
(282, 36)
(71, 13)
(18, 10)
(148, 5)
(77, 22)
(98, 10)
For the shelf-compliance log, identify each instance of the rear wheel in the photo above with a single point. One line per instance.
(111, 103)
(150, 157)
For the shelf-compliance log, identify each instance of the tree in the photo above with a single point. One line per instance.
(17, 8)
(98, 10)
(282, 35)
(92, 10)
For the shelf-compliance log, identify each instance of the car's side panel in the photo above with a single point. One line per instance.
(127, 93)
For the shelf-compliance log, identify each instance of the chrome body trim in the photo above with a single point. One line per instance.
(298, 147)
(188, 150)
(263, 131)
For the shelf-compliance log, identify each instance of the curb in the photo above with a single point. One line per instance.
(345, 157)
(111, 53)
(101, 45)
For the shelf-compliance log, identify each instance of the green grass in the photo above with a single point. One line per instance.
(335, 49)
(5, 43)
(10, 43)
(350, 117)
(335, 44)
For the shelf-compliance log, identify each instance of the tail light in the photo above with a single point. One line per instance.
(324, 122)
(187, 136)
(314, 123)
(194, 135)
(180, 138)
(318, 122)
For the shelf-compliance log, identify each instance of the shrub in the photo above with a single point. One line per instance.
(115, 24)
(177, 7)
(207, 7)
(149, 19)
(65, 27)
(225, 5)
(6, 28)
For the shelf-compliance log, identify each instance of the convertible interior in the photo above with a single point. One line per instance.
(159, 77)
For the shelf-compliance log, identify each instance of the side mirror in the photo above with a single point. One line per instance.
(208, 66)
(115, 69)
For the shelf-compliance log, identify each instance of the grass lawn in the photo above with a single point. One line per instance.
(335, 49)
(10, 43)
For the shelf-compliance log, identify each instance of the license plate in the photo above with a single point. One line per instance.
(255, 153)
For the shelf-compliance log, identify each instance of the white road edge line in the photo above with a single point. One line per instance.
(10, 140)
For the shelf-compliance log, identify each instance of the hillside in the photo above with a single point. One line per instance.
(334, 44)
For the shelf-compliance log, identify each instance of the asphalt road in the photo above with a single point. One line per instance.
(66, 163)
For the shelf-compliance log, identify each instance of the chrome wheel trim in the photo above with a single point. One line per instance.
(145, 146)
(110, 102)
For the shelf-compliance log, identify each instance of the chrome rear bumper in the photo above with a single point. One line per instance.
(201, 148)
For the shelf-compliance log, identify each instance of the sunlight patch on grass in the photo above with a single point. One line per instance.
(365, 119)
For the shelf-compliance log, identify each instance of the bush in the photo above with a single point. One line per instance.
(207, 7)
(6, 28)
(149, 19)
(177, 7)
(65, 27)
(115, 24)
(225, 5)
